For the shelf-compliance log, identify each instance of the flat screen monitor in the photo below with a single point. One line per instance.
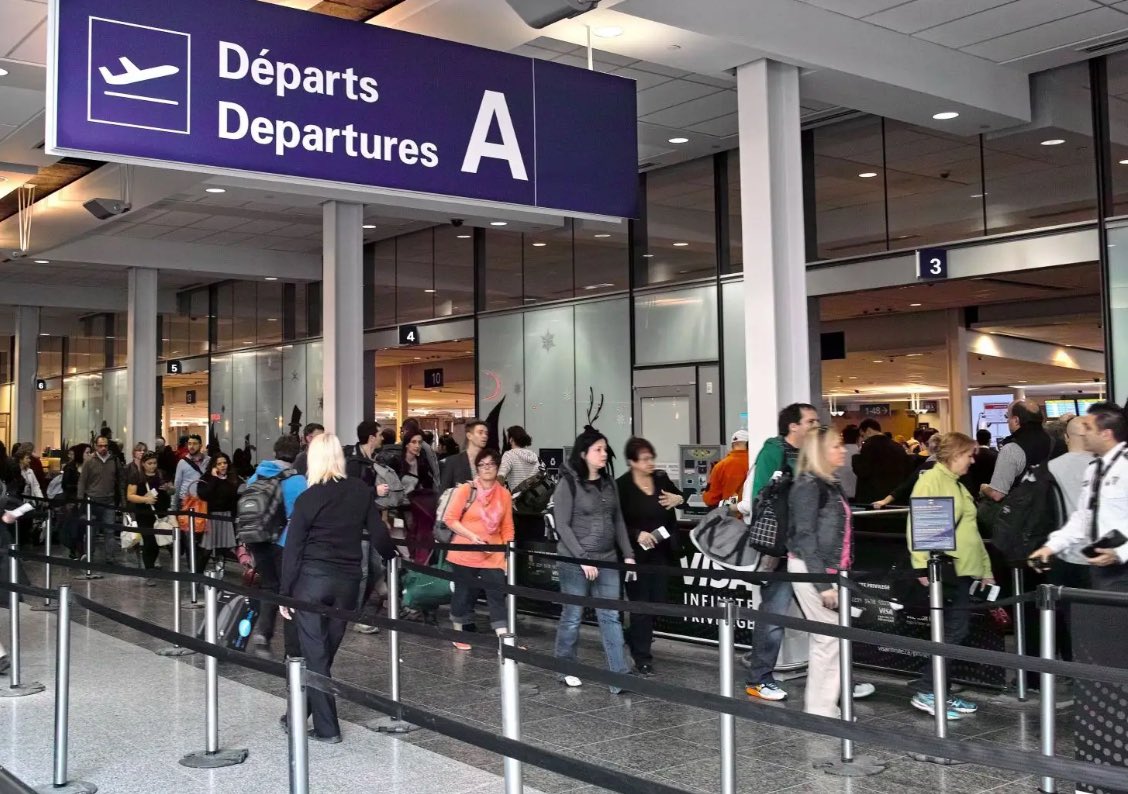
(1055, 408)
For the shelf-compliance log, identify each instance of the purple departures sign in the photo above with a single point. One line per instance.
(243, 86)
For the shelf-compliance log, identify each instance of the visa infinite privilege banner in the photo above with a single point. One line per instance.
(241, 85)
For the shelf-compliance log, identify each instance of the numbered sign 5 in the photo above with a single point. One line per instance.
(173, 367)
(932, 264)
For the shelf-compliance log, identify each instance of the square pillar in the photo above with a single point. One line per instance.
(342, 301)
(25, 402)
(141, 357)
(959, 403)
(771, 192)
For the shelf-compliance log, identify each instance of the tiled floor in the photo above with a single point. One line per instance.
(673, 744)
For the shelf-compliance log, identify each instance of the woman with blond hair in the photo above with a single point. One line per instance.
(820, 541)
(953, 459)
(321, 563)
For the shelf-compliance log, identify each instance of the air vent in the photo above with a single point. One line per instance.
(1105, 47)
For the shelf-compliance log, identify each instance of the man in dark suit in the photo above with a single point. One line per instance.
(881, 465)
(459, 468)
(983, 467)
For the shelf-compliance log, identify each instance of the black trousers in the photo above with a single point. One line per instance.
(149, 548)
(320, 637)
(268, 563)
(957, 625)
(465, 596)
(1062, 574)
(648, 588)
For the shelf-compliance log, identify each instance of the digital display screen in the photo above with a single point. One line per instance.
(1055, 408)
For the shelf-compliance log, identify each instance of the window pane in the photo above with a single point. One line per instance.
(681, 225)
(736, 230)
(849, 208)
(269, 318)
(244, 326)
(935, 185)
(454, 272)
(50, 359)
(415, 277)
(601, 258)
(548, 265)
(503, 270)
(225, 309)
(676, 326)
(1118, 127)
(198, 316)
(1044, 174)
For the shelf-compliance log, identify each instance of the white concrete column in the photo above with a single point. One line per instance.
(771, 194)
(141, 357)
(956, 345)
(25, 401)
(343, 317)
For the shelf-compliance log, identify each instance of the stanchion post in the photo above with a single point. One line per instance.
(89, 574)
(846, 669)
(511, 714)
(59, 782)
(212, 757)
(936, 620)
(726, 635)
(511, 580)
(16, 688)
(175, 650)
(1047, 617)
(393, 724)
(47, 566)
(296, 719)
(1019, 634)
(194, 602)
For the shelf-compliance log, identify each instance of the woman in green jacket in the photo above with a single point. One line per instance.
(953, 460)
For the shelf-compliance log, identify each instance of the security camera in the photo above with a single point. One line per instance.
(945, 174)
(542, 13)
(456, 222)
(104, 208)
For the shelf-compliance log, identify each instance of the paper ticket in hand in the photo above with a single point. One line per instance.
(661, 533)
(21, 510)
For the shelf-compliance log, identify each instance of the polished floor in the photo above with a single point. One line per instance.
(135, 714)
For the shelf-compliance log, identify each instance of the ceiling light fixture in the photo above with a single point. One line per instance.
(600, 236)
(428, 291)
(272, 278)
(463, 237)
(1124, 162)
(215, 190)
(369, 226)
(679, 140)
(946, 115)
(680, 245)
(42, 261)
(499, 223)
(879, 361)
(1053, 142)
(599, 286)
(539, 245)
(914, 305)
(608, 31)
(868, 174)
(648, 256)
(3, 72)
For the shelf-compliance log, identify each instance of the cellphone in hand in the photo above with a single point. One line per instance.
(1112, 540)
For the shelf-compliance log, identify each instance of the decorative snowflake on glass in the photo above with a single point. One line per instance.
(548, 341)
(294, 375)
(516, 388)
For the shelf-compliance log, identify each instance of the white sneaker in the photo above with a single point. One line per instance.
(863, 690)
(571, 680)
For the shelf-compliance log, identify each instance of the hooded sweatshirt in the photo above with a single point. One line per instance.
(292, 487)
(727, 478)
(518, 465)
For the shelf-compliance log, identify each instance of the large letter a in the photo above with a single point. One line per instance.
(494, 105)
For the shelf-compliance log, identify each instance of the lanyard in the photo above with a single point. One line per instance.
(1095, 492)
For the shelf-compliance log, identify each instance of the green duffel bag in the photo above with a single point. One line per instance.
(425, 592)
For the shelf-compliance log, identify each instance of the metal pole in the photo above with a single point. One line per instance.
(1047, 616)
(511, 580)
(90, 542)
(846, 668)
(393, 635)
(726, 637)
(47, 565)
(175, 650)
(62, 685)
(296, 716)
(192, 554)
(939, 669)
(1019, 634)
(211, 670)
(511, 715)
(14, 619)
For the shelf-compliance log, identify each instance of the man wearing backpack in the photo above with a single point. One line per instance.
(268, 553)
(795, 421)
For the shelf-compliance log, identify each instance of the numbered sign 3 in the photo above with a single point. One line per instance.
(932, 264)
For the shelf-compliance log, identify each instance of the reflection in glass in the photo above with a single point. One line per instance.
(680, 223)
(849, 188)
(415, 276)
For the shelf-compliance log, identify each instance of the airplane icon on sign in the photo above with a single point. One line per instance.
(133, 74)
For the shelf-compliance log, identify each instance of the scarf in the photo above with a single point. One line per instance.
(489, 505)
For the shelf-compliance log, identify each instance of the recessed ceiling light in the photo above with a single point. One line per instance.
(3, 72)
(868, 174)
(608, 31)
(879, 361)
(680, 245)
(41, 333)
(1053, 142)
(913, 355)
(428, 291)
(978, 195)
(498, 223)
(1022, 381)
(947, 114)
(914, 304)
(1124, 162)
(598, 286)
(272, 278)
(42, 261)
(679, 140)
(272, 319)
(853, 377)
(369, 226)
(648, 256)
(463, 237)
(215, 190)
(539, 245)
(600, 236)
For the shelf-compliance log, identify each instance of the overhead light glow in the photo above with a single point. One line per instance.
(429, 291)
(3, 72)
(599, 286)
(914, 305)
(600, 236)
(1053, 142)
(680, 245)
(1124, 162)
(215, 190)
(648, 256)
(539, 245)
(679, 140)
(42, 261)
(608, 31)
(272, 278)
(369, 226)
(947, 114)
(868, 174)
(498, 223)
(463, 237)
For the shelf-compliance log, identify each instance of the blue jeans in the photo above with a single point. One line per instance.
(606, 585)
(775, 597)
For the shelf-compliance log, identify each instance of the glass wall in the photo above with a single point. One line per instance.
(676, 327)
(422, 275)
(6, 415)
(82, 407)
(681, 223)
(545, 363)
(1118, 130)
(86, 350)
(253, 394)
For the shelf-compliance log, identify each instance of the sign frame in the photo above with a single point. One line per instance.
(409, 335)
(932, 264)
(932, 523)
(430, 381)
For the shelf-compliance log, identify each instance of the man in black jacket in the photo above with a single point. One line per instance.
(459, 468)
(881, 465)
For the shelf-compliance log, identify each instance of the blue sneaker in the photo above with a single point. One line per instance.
(926, 701)
(962, 706)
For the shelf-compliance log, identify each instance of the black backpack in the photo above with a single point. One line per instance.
(771, 521)
(534, 494)
(1028, 514)
(261, 512)
(360, 467)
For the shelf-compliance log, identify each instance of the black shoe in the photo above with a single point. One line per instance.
(644, 670)
(5, 665)
(325, 739)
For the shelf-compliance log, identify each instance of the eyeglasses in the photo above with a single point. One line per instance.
(102, 446)
(482, 466)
